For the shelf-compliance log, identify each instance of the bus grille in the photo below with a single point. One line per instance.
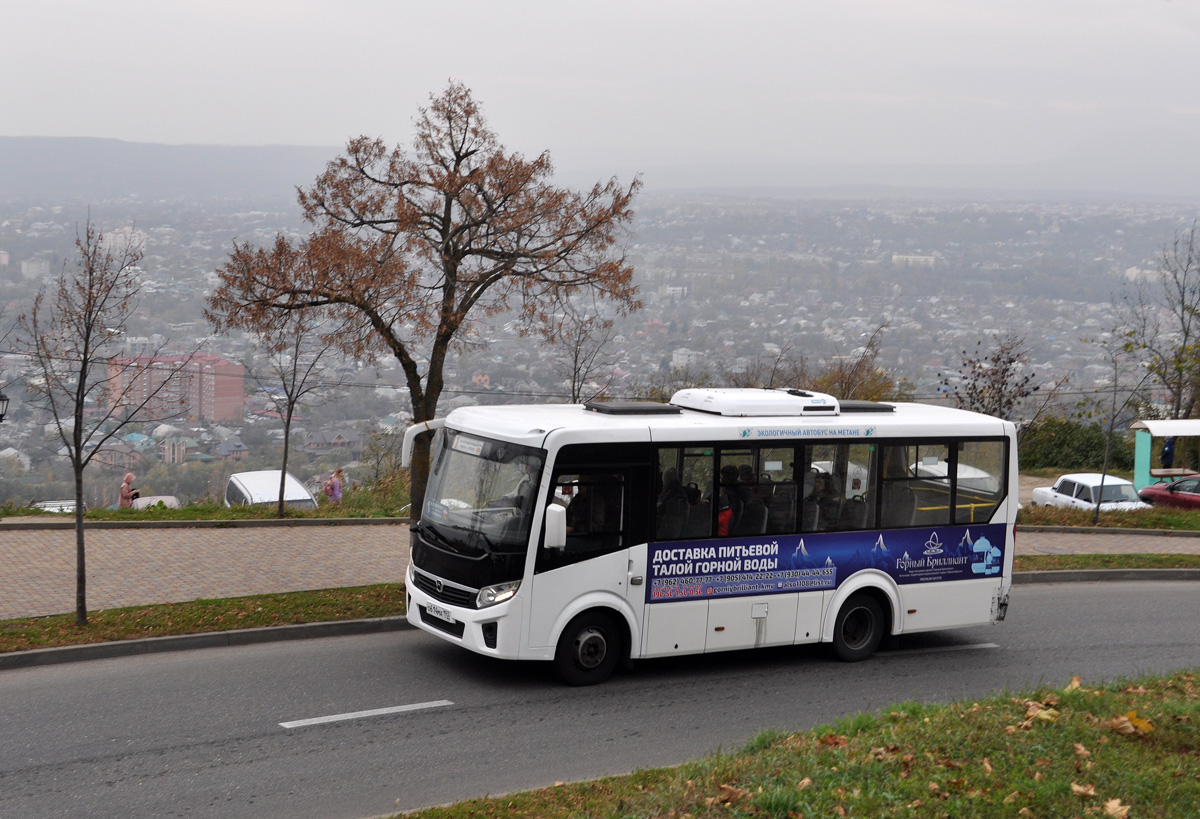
(447, 594)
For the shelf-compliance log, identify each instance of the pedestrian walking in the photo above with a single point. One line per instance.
(333, 486)
(128, 493)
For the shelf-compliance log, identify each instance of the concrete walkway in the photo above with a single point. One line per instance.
(170, 563)
(128, 566)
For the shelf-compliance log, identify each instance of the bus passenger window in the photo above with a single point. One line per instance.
(980, 478)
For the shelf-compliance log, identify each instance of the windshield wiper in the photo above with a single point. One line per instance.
(489, 545)
(428, 532)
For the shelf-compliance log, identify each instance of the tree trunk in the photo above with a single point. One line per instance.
(80, 565)
(287, 441)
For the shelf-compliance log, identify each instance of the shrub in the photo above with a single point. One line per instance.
(1066, 444)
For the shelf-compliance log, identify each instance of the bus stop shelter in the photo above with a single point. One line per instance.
(1143, 448)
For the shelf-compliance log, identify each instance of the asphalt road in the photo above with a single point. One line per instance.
(199, 733)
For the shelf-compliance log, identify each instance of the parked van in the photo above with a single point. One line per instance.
(262, 487)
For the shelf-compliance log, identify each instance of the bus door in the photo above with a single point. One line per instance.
(595, 560)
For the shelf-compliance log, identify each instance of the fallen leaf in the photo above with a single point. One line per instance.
(1073, 684)
(1012, 797)
(1114, 808)
(804, 783)
(1123, 726)
(732, 793)
(1083, 790)
(1081, 751)
(987, 766)
(1143, 725)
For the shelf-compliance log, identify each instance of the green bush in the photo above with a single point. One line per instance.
(1065, 444)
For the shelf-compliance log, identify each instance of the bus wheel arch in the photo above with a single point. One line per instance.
(861, 625)
(591, 646)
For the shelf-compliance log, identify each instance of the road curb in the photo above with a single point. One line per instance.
(187, 642)
(1092, 575)
(1100, 530)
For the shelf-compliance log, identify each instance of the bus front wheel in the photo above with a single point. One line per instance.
(589, 649)
(858, 628)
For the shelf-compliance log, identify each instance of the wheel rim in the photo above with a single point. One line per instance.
(858, 627)
(590, 648)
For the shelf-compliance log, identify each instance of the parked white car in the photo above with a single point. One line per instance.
(1079, 490)
(262, 488)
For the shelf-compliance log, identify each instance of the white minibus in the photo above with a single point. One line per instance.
(591, 535)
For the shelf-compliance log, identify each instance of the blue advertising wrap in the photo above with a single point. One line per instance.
(735, 567)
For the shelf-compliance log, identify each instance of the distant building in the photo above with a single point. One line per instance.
(35, 268)
(208, 388)
(344, 440)
(683, 357)
(911, 260)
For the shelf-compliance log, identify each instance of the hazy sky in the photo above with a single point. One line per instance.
(621, 85)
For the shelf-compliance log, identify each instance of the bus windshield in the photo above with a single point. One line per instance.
(480, 494)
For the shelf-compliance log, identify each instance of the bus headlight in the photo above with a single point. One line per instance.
(491, 595)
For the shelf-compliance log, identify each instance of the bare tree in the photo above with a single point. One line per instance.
(1162, 315)
(71, 332)
(295, 366)
(857, 376)
(785, 368)
(1119, 356)
(410, 246)
(586, 353)
(996, 381)
(382, 453)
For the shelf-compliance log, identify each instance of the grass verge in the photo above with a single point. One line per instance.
(1129, 750)
(200, 616)
(1158, 517)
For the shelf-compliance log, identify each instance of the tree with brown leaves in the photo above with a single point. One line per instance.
(409, 245)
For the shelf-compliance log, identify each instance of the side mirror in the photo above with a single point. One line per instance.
(556, 527)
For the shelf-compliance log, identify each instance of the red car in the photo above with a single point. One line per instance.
(1184, 493)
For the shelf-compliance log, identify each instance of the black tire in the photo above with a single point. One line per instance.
(858, 628)
(589, 649)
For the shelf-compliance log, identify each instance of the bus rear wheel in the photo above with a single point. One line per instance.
(589, 649)
(858, 628)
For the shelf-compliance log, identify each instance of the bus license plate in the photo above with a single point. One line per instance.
(439, 612)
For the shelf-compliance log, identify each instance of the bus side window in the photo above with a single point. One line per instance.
(980, 478)
(596, 517)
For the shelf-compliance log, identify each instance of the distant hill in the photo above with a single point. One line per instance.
(100, 169)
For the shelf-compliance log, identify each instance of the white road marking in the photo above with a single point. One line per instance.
(376, 712)
(971, 647)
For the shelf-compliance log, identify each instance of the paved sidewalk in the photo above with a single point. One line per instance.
(131, 566)
(1108, 542)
